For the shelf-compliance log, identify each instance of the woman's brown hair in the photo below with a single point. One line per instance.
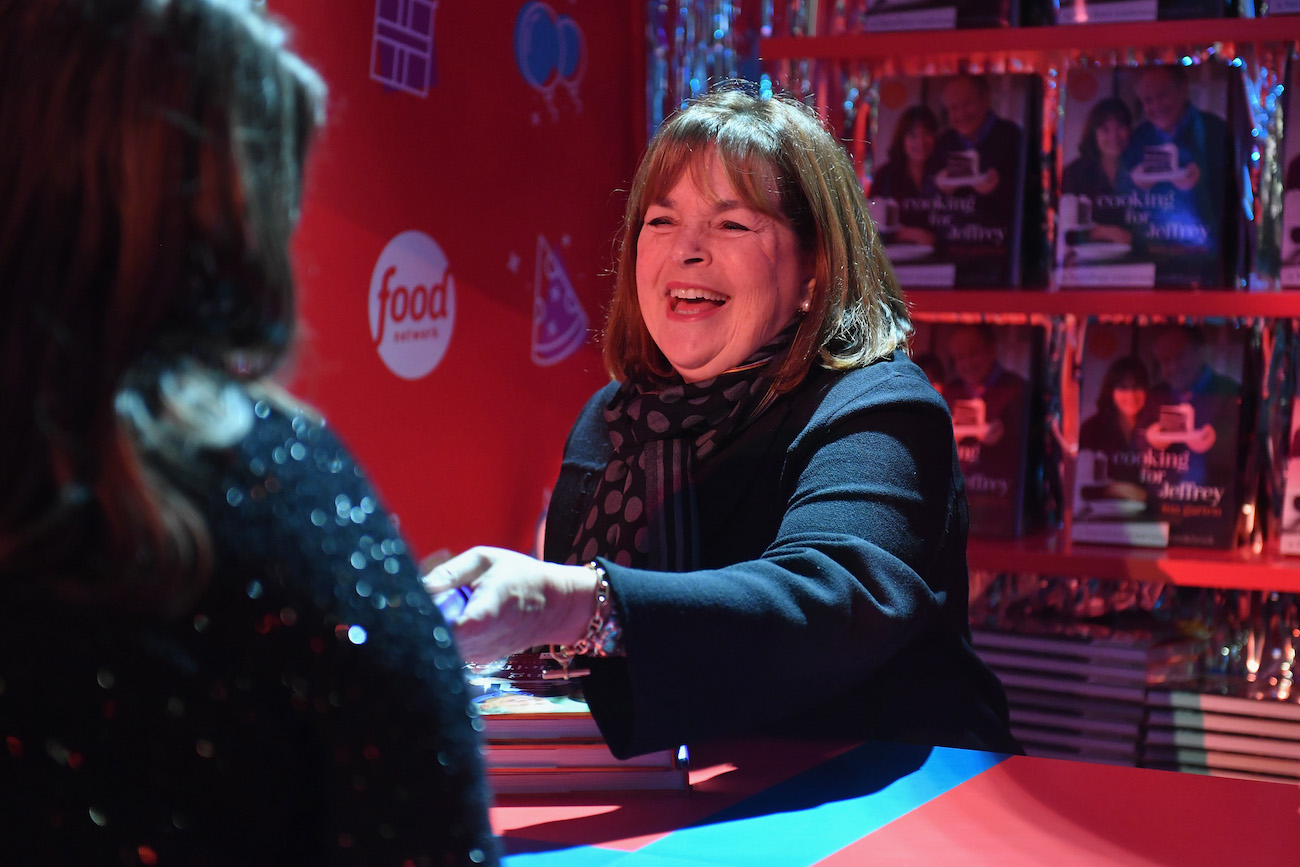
(153, 163)
(782, 161)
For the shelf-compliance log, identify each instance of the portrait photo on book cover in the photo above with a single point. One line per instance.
(1145, 169)
(948, 157)
(986, 374)
(1290, 271)
(1160, 408)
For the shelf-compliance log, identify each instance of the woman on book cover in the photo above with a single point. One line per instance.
(1121, 418)
(1188, 379)
(909, 174)
(193, 669)
(764, 507)
(1099, 172)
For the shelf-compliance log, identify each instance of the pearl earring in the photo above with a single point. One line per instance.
(806, 305)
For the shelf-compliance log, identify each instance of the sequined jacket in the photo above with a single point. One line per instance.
(310, 709)
(834, 599)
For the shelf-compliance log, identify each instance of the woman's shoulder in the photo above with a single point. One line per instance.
(895, 382)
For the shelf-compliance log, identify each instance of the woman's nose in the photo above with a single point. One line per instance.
(692, 246)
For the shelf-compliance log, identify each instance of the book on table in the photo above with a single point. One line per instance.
(546, 743)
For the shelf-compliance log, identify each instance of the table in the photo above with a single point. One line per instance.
(778, 804)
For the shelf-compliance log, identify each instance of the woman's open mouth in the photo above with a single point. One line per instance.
(689, 300)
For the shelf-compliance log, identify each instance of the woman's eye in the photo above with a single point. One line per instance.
(658, 221)
(734, 226)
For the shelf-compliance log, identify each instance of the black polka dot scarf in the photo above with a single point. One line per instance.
(643, 513)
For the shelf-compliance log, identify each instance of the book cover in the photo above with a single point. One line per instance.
(1014, 679)
(1149, 179)
(1228, 743)
(1120, 730)
(1073, 706)
(1225, 723)
(886, 15)
(1289, 275)
(987, 375)
(1245, 700)
(1159, 455)
(956, 188)
(510, 714)
(1190, 759)
(1289, 528)
(569, 755)
(1049, 743)
(1101, 11)
(1091, 642)
(516, 781)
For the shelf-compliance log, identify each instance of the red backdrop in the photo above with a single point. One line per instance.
(496, 138)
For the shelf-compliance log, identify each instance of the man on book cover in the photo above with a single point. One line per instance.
(1196, 431)
(996, 143)
(1290, 271)
(1177, 156)
(990, 411)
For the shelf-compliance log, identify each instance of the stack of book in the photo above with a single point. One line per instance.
(550, 743)
(1232, 735)
(1079, 691)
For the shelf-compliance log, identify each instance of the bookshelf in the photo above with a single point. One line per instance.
(1048, 40)
(1053, 553)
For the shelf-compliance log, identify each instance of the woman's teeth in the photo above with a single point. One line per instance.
(696, 296)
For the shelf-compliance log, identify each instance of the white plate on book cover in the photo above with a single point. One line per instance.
(1118, 508)
(907, 252)
(1199, 440)
(1173, 176)
(1094, 251)
(950, 184)
(971, 431)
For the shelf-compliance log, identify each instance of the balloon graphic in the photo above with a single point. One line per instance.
(549, 50)
(537, 45)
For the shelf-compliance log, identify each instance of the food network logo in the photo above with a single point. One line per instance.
(412, 305)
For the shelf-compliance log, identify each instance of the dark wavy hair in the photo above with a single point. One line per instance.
(912, 117)
(782, 161)
(1128, 367)
(153, 156)
(1110, 108)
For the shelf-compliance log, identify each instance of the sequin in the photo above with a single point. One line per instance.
(211, 710)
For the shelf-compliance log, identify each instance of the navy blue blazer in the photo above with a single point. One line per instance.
(833, 598)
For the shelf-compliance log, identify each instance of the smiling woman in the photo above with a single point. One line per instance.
(760, 524)
(717, 277)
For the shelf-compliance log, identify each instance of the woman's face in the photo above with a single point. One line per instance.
(1112, 137)
(715, 279)
(1129, 397)
(918, 144)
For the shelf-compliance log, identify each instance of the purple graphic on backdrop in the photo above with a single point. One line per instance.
(559, 322)
(401, 55)
(550, 51)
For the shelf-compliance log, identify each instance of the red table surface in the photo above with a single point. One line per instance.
(1023, 811)
(1029, 811)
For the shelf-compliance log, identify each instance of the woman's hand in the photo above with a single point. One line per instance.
(517, 601)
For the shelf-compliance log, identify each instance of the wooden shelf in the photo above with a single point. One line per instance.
(1054, 554)
(1198, 304)
(1058, 38)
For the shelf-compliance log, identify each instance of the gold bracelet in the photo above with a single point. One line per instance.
(602, 637)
